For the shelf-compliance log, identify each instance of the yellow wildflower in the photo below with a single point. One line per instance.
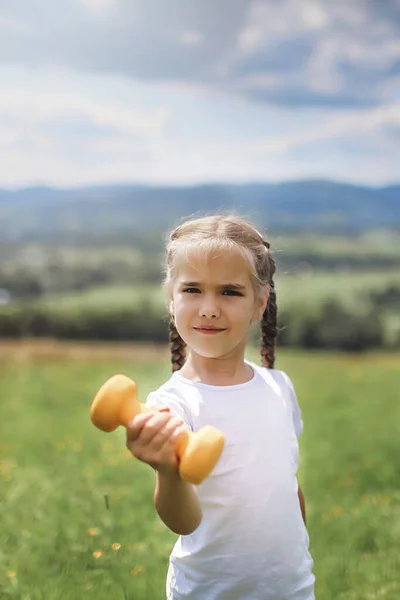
(137, 570)
(115, 546)
(11, 574)
(97, 553)
(93, 531)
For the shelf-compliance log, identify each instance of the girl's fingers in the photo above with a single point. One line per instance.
(135, 426)
(151, 437)
(178, 432)
(153, 426)
(166, 433)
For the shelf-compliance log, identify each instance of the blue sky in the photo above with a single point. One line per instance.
(172, 92)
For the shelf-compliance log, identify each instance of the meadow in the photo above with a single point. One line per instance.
(76, 509)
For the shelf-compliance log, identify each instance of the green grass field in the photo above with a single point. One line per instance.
(60, 542)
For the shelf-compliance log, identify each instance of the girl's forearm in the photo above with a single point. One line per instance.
(177, 504)
(302, 504)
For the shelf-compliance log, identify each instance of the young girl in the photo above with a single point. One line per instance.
(242, 531)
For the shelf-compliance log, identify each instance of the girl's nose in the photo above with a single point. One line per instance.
(209, 309)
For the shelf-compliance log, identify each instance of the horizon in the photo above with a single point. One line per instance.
(135, 184)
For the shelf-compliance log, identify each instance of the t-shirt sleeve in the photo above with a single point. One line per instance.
(297, 418)
(176, 406)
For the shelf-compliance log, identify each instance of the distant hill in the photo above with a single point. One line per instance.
(315, 206)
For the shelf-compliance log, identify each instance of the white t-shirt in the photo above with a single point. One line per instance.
(252, 543)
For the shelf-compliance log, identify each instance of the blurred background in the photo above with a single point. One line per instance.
(118, 119)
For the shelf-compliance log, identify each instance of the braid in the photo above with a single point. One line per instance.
(269, 324)
(177, 345)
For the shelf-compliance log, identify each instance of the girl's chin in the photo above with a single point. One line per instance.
(205, 352)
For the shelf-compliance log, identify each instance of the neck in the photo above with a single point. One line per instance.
(216, 371)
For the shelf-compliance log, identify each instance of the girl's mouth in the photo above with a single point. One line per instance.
(208, 330)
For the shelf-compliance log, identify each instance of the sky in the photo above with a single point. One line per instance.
(180, 92)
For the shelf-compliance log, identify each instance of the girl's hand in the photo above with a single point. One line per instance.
(152, 437)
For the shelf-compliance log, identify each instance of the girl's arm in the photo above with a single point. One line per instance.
(152, 437)
(302, 504)
(177, 503)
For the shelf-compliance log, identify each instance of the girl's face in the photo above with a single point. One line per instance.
(213, 304)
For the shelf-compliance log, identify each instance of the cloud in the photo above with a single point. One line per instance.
(192, 37)
(68, 135)
(334, 54)
(283, 52)
(147, 39)
(372, 124)
(96, 91)
(354, 146)
(100, 6)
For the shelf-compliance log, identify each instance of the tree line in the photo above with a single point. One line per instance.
(333, 327)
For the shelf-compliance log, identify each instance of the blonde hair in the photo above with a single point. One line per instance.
(211, 235)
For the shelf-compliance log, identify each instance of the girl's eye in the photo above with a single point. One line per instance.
(232, 293)
(193, 290)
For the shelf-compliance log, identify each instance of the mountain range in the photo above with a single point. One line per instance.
(114, 210)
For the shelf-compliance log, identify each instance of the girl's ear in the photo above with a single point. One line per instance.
(171, 308)
(263, 302)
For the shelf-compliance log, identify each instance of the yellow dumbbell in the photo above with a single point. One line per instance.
(116, 404)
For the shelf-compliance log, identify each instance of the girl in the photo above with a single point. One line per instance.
(242, 531)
